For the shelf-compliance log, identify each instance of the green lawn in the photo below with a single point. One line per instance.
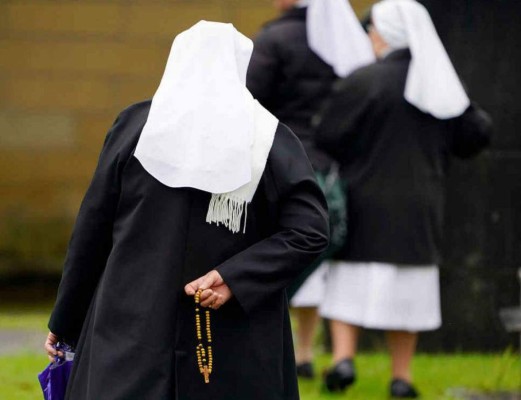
(24, 316)
(434, 375)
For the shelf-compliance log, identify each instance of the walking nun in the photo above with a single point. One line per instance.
(295, 62)
(199, 195)
(393, 126)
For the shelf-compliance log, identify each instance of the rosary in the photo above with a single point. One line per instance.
(204, 356)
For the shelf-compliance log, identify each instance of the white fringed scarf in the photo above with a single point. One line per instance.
(204, 129)
(432, 83)
(228, 208)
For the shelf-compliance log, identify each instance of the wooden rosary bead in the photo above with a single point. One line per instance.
(204, 356)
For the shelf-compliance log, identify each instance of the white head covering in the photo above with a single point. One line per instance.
(204, 129)
(432, 83)
(337, 37)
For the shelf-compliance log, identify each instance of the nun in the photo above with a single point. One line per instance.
(393, 126)
(202, 209)
(296, 59)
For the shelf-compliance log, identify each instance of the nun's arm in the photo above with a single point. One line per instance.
(91, 240)
(337, 123)
(302, 233)
(470, 132)
(263, 69)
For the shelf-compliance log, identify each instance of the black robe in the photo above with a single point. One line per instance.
(394, 161)
(136, 243)
(289, 79)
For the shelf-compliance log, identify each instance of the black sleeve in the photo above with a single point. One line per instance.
(302, 232)
(91, 240)
(337, 123)
(470, 132)
(263, 69)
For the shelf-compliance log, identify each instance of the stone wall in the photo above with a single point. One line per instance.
(66, 69)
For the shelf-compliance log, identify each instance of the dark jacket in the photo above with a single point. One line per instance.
(136, 244)
(289, 79)
(394, 160)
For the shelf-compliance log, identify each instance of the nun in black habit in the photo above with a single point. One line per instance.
(199, 189)
(296, 59)
(394, 126)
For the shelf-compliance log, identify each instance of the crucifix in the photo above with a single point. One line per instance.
(206, 374)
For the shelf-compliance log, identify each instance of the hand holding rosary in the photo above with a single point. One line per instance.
(204, 353)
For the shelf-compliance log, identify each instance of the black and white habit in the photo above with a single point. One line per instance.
(145, 229)
(296, 60)
(393, 126)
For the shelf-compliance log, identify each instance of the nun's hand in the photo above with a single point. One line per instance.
(51, 341)
(215, 292)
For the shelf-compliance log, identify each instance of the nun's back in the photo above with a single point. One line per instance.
(394, 160)
(289, 79)
(136, 244)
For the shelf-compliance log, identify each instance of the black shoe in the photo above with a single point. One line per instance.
(401, 389)
(338, 378)
(305, 370)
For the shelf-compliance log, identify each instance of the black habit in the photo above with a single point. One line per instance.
(289, 79)
(137, 242)
(394, 160)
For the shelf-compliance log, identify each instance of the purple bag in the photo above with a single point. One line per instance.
(55, 377)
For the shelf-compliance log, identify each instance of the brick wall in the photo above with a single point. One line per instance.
(66, 69)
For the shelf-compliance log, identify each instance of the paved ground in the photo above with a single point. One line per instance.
(16, 340)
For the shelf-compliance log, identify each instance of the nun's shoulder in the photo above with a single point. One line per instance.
(363, 76)
(287, 163)
(131, 120)
(284, 136)
(278, 29)
(267, 35)
(127, 127)
(365, 81)
(357, 85)
(136, 113)
(286, 145)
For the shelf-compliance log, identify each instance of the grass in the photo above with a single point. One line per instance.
(434, 374)
(25, 316)
(18, 376)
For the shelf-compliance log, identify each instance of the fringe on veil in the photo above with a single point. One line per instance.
(228, 210)
(231, 208)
